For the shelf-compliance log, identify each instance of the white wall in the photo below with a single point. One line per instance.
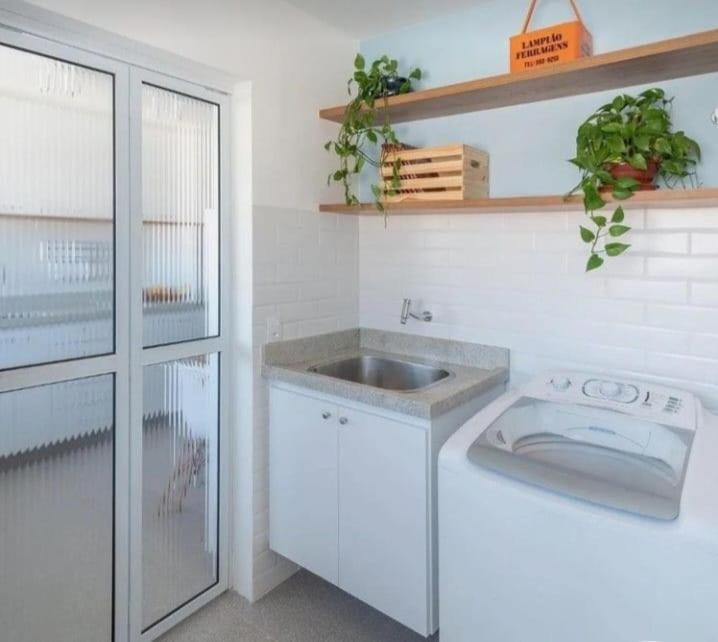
(300, 266)
(517, 280)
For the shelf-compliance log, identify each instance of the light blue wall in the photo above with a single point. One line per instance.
(528, 144)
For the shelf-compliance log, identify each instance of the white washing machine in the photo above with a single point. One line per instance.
(581, 509)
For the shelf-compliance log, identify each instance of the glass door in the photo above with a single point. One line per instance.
(179, 367)
(64, 351)
(113, 367)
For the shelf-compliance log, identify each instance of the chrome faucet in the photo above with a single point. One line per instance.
(406, 313)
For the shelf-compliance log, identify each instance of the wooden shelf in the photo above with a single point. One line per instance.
(675, 58)
(657, 200)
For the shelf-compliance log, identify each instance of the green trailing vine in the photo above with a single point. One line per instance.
(636, 131)
(361, 133)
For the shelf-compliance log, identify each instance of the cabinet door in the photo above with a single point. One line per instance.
(303, 481)
(383, 515)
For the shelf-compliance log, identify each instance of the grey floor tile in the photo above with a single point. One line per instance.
(219, 621)
(303, 609)
(307, 609)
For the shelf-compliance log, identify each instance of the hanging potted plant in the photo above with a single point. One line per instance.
(622, 148)
(366, 135)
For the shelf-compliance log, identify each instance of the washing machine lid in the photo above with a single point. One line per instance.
(596, 454)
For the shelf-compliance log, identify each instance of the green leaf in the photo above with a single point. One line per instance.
(622, 194)
(656, 125)
(618, 215)
(662, 146)
(415, 74)
(626, 182)
(600, 221)
(638, 161)
(616, 144)
(328, 145)
(611, 128)
(359, 62)
(587, 236)
(371, 135)
(618, 230)
(614, 249)
(642, 142)
(594, 261)
(618, 103)
(591, 198)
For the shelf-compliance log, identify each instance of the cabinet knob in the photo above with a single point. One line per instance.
(326, 415)
(343, 421)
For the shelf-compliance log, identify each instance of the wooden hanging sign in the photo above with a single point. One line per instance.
(532, 50)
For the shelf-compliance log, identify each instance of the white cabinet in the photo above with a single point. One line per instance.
(352, 497)
(303, 507)
(383, 509)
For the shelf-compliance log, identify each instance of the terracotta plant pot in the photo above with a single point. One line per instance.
(646, 177)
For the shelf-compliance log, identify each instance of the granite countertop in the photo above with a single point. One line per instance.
(474, 368)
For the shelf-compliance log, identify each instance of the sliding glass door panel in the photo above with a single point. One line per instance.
(56, 511)
(180, 493)
(180, 208)
(57, 210)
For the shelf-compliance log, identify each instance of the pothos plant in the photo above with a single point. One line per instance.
(622, 148)
(366, 125)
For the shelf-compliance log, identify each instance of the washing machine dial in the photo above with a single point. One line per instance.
(610, 389)
(561, 384)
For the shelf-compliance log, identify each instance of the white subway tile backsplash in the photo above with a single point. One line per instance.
(306, 274)
(704, 243)
(705, 293)
(277, 293)
(518, 280)
(658, 242)
(645, 290)
(682, 367)
(469, 223)
(683, 267)
(315, 290)
(705, 345)
(629, 264)
(688, 318)
(687, 219)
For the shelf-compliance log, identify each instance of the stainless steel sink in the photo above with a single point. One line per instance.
(389, 374)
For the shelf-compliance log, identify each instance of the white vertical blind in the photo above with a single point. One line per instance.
(180, 201)
(56, 499)
(56, 210)
(179, 487)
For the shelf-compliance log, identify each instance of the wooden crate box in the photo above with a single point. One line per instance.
(449, 172)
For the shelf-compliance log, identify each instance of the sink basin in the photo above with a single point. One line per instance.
(389, 374)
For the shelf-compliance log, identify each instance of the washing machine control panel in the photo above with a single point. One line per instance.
(642, 399)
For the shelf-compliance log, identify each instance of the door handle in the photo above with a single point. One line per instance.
(343, 421)
(326, 415)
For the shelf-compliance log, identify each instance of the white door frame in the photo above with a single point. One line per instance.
(117, 363)
(141, 357)
(129, 358)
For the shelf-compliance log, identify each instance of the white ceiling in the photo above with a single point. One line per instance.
(366, 18)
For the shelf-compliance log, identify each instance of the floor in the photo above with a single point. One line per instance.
(303, 609)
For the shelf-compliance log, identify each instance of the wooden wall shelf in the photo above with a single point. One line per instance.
(675, 58)
(660, 199)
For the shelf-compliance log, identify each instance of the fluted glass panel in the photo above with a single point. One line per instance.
(180, 200)
(179, 484)
(56, 210)
(56, 512)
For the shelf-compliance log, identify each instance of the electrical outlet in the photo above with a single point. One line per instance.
(274, 329)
